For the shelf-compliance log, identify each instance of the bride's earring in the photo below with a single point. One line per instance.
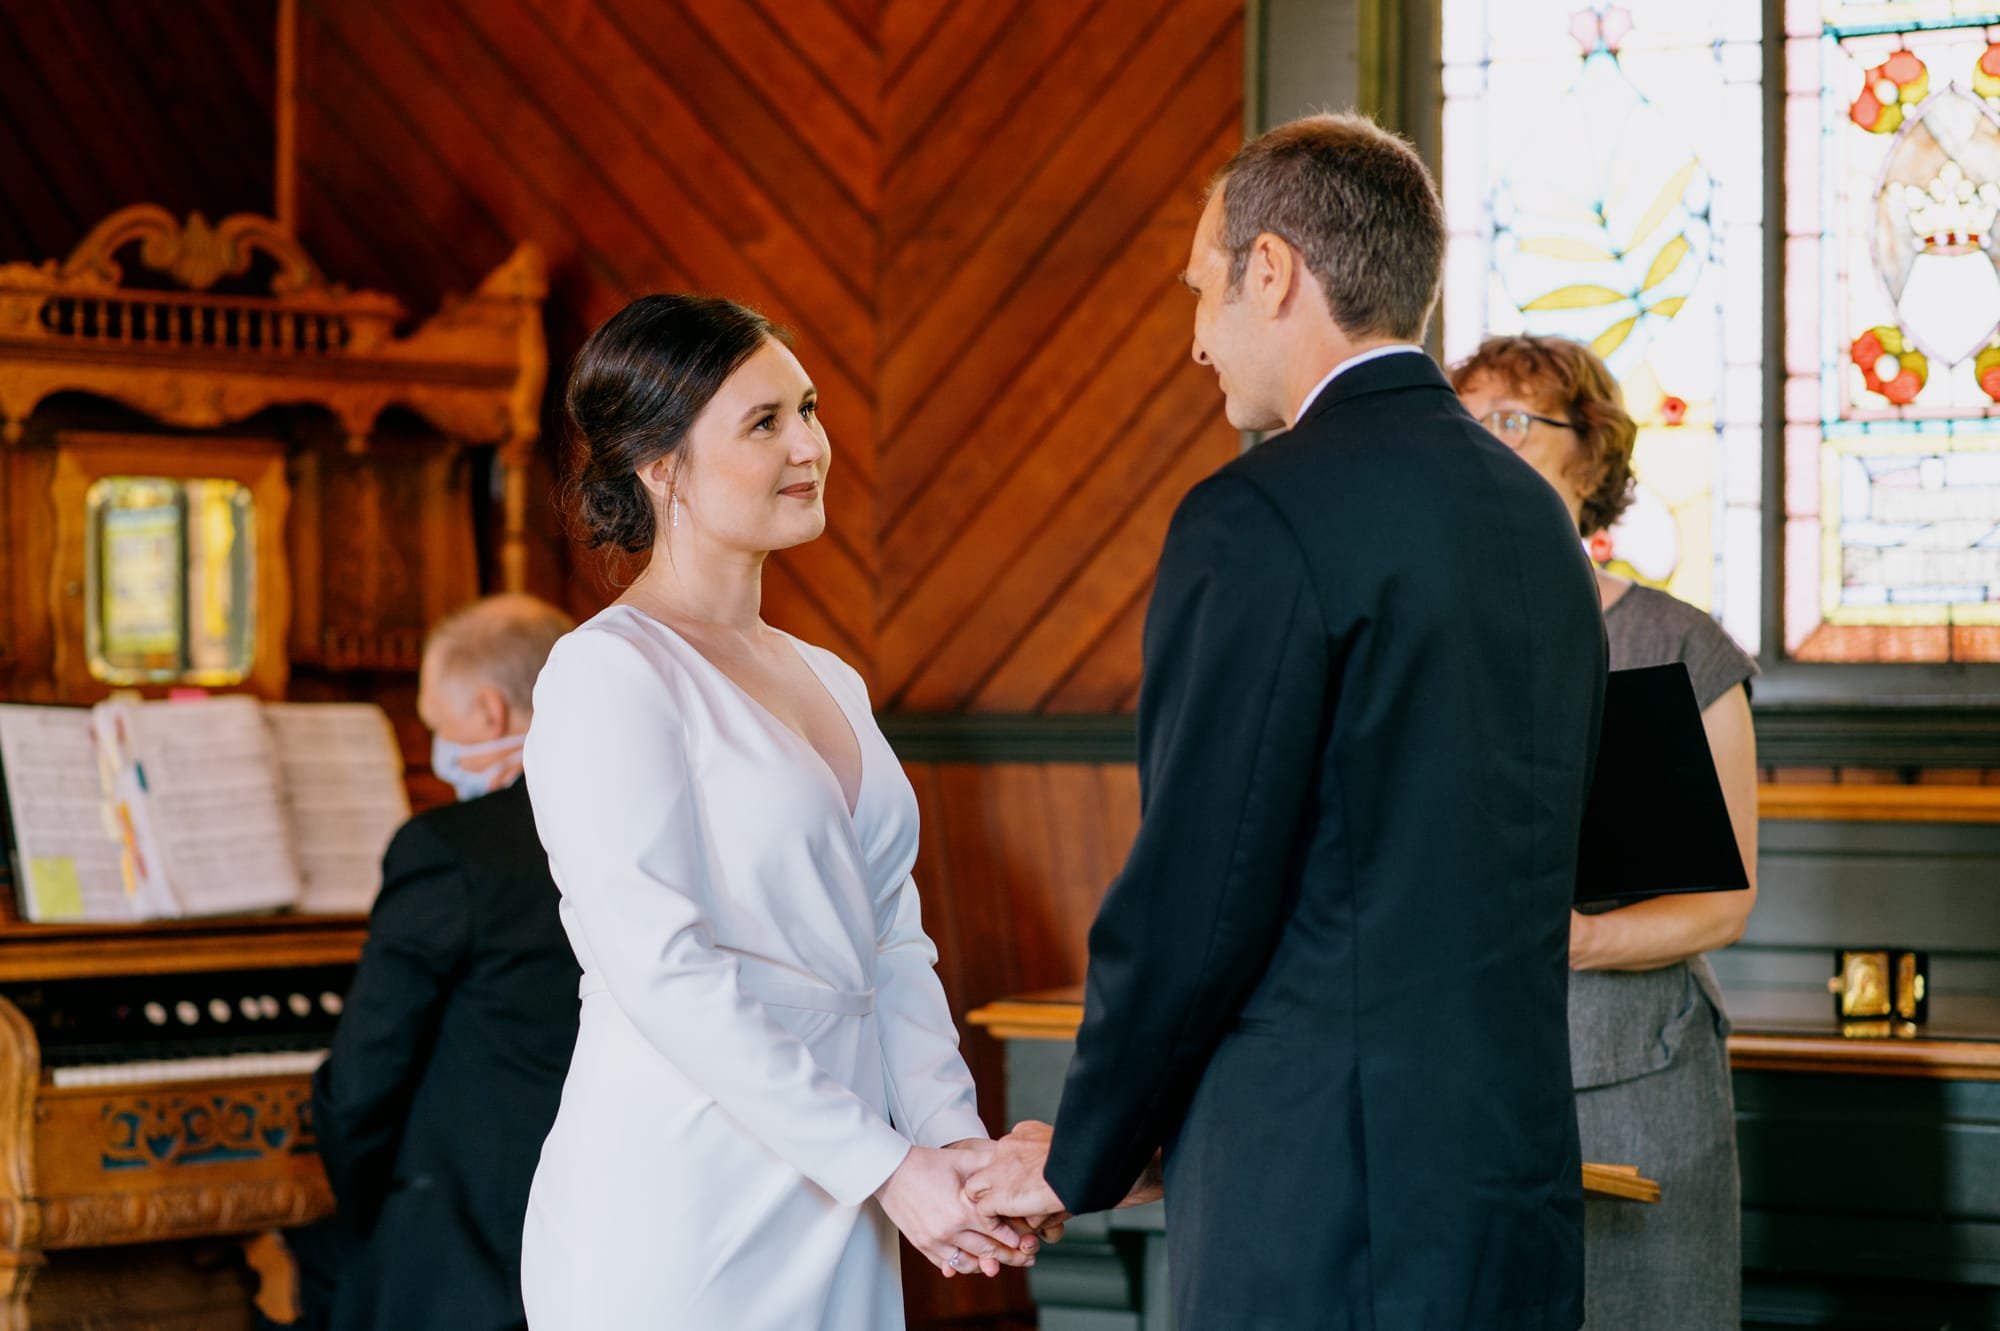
(674, 509)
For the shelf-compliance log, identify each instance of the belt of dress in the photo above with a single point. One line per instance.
(775, 991)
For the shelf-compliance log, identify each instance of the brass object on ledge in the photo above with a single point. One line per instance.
(1880, 993)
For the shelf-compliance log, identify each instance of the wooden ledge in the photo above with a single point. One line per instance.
(67, 951)
(1623, 1182)
(1055, 1015)
(1948, 1060)
(1880, 804)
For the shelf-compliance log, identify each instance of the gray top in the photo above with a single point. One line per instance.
(1648, 628)
(1626, 1024)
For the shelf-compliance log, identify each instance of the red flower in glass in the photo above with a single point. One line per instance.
(1889, 365)
(1986, 369)
(1900, 81)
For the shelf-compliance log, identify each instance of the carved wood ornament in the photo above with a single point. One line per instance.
(197, 358)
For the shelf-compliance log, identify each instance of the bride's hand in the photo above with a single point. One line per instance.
(925, 1199)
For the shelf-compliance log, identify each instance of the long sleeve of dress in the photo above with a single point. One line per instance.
(608, 774)
(930, 1086)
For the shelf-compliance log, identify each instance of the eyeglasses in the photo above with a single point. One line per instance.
(1512, 426)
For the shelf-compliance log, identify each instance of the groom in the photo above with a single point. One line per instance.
(1331, 980)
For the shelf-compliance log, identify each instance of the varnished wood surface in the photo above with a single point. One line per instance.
(1879, 803)
(970, 214)
(1622, 1182)
(104, 103)
(70, 951)
(1794, 1045)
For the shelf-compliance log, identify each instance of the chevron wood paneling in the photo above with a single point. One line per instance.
(647, 145)
(970, 214)
(1042, 171)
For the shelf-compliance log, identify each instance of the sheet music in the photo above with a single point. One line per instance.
(208, 803)
(66, 858)
(343, 777)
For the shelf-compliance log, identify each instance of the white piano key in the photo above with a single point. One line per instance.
(217, 1068)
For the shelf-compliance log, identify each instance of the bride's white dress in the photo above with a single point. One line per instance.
(763, 1032)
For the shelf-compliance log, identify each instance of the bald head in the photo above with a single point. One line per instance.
(480, 664)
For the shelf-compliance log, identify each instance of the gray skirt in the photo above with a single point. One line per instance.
(1653, 1090)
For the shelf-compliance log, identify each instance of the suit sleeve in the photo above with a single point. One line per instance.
(418, 933)
(608, 776)
(1230, 714)
(931, 1088)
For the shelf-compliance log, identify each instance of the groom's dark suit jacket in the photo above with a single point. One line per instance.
(1331, 978)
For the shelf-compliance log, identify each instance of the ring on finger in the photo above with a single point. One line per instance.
(955, 1259)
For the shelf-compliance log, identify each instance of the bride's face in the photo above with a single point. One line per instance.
(752, 474)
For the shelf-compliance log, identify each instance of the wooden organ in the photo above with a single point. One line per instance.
(154, 1078)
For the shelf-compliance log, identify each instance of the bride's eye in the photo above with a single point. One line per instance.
(809, 410)
(765, 422)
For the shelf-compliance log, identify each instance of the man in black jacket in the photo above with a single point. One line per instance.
(449, 1058)
(1330, 982)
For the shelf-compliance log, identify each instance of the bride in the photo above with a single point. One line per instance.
(767, 1085)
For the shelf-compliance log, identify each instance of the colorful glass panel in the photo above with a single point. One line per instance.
(1603, 179)
(1892, 404)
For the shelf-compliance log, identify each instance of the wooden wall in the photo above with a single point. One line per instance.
(972, 216)
(1013, 861)
(105, 103)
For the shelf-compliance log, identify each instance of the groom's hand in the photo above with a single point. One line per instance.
(1011, 1183)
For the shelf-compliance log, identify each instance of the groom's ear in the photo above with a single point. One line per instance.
(1272, 274)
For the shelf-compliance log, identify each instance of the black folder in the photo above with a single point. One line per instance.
(1656, 822)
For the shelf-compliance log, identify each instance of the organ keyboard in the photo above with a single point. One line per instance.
(155, 1085)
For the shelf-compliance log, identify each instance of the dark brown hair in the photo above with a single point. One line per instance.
(1566, 379)
(1358, 205)
(635, 387)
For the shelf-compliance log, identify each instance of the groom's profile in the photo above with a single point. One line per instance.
(1330, 982)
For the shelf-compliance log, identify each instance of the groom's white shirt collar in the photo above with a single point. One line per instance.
(1373, 353)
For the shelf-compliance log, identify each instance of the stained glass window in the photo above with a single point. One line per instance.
(1892, 349)
(1603, 179)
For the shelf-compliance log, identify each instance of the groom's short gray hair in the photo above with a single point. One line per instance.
(1358, 205)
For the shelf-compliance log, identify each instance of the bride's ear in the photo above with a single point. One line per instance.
(658, 476)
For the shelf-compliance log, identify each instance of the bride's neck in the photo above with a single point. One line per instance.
(717, 590)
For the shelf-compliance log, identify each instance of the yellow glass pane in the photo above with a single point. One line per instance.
(170, 584)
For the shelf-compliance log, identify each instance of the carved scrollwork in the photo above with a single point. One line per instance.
(197, 255)
(89, 1220)
(147, 1132)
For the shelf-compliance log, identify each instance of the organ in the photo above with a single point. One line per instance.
(154, 1079)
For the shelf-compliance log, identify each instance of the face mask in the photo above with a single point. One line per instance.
(447, 760)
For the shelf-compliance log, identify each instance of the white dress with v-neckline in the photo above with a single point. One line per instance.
(763, 1033)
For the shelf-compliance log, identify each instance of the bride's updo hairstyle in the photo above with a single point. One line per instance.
(634, 389)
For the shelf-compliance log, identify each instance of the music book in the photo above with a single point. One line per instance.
(1656, 822)
(149, 810)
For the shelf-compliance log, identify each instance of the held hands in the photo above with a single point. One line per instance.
(1013, 1183)
(926, 1199)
